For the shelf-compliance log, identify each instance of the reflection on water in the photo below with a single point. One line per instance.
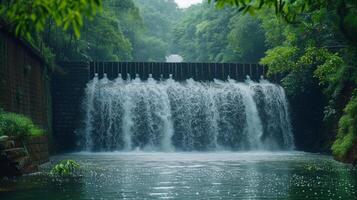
(195, 176)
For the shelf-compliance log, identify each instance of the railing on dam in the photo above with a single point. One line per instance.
(179, 71)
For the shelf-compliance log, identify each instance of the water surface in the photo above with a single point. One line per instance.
(223, 175)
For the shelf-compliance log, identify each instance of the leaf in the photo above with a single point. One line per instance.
(241, 8)
(76, 30)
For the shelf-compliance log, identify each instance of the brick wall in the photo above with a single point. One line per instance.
(67, 93)
(37, 148)
(24, 83)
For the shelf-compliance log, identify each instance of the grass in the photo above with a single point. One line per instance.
(12, 124)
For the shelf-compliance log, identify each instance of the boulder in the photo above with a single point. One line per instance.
(8, 168)
(4, 138)
(7, 144)
(14, 153)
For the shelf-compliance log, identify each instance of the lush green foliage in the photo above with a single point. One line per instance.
(280, 59)
(12, 124)
(159, 18)
(121, 32)
(291, 11)
(287, 9)
(347, 133)
(31, 15)
(206, 34)
(102, 38)
(66, 168)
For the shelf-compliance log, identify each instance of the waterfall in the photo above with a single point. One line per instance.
(167, 115)
(89, 110)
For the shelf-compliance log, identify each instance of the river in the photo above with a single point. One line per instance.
(216, 175)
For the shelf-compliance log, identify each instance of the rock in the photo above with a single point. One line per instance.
(18, 157)
(7, 144)
(14, 153)
(8, 168)
(22, 162)
(4, 138)
(30, 169)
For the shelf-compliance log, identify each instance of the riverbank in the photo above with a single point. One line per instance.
(18, 157)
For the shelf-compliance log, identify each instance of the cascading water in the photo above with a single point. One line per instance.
(167, 115)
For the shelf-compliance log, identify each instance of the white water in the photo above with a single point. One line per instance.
(186, 116)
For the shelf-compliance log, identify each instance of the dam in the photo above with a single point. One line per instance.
(173, 107)
(181, 107)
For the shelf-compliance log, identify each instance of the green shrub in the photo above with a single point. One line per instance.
(347, 133)
(66, 168)
(12, 124)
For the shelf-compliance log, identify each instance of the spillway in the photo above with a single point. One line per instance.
(167, 115)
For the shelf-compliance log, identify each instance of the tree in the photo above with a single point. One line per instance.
(290, 11)
(154, 40)
(27, 16)
(105, 37)
(206, 34)
(118, 33)
(246, 38)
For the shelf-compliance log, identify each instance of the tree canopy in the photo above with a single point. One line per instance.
(206, 34)
(27, 16)
(293, 11)
(94, 29)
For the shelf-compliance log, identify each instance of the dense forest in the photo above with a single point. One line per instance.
(311, 45)
(121, 31)
(208, 34)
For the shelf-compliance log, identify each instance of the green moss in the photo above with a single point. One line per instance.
(12, 124)
(347, 133)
